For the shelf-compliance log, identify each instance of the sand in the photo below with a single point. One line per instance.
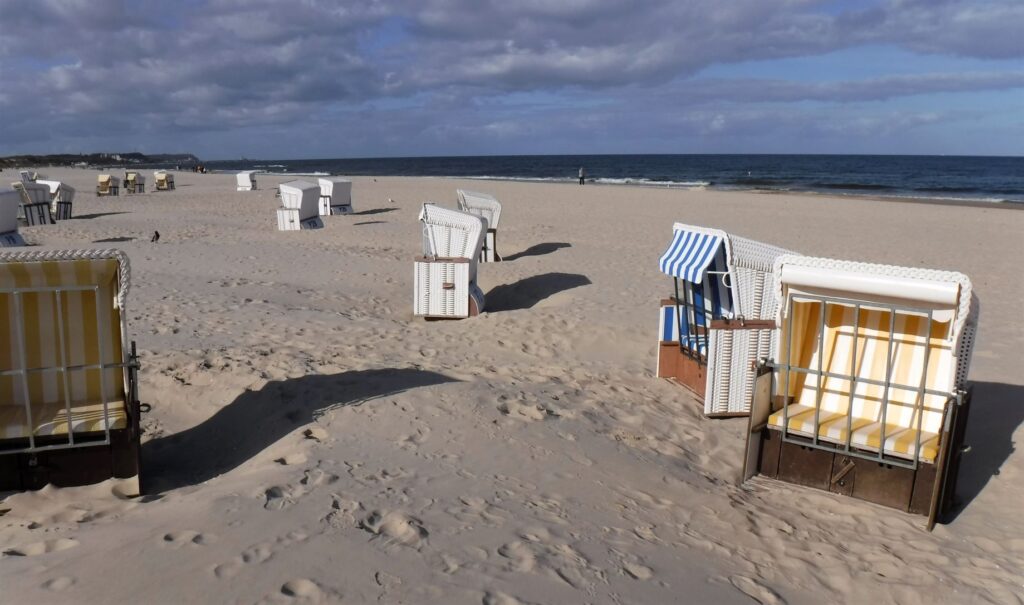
(310, 441)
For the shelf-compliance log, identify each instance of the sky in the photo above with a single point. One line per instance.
(294, 79)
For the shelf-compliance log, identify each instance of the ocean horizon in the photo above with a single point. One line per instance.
(995, 179)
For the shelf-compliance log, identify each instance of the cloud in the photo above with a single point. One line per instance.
(127, 73)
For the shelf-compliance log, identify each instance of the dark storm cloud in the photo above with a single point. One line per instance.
(114, 71)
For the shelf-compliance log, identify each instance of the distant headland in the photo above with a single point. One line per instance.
(89, 160)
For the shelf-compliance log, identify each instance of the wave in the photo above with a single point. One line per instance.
(759, 182)
(853, 186)
(651, 182)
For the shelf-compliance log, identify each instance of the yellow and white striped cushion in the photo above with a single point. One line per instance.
(52, 419)
(839, 345)
(91, 323)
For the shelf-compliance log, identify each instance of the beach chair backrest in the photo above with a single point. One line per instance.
(62, 314)
(480, 204)
(339, 189)
(246, 178)
(880, 334)
(103, 181)
(302, 195)
(451, 234)
(32, 193)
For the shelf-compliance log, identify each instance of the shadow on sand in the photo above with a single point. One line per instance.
(538, 250)
(96, 215)
(527, 292)
(997, 409)
(113, 240)
(257, 419)
(374, 211)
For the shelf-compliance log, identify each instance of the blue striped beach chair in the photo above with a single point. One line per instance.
(697, 259)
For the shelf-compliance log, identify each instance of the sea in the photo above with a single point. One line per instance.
(956, 178)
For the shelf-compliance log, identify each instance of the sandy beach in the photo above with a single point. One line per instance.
(311, 441)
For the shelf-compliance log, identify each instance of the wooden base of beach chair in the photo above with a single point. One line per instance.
(681, 368)
(75, 466)
(925, 490)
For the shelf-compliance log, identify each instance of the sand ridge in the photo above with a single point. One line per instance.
(310, 441)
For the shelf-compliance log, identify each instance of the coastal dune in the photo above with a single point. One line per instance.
(311, 441)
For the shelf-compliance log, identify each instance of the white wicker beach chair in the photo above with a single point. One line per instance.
(35, 203)
(10, 204)
(445, 276)
(299, 206)
(866, 393)
(487, 207)
(246, 180)
(69, 408)
(335, 196)
(62, 196)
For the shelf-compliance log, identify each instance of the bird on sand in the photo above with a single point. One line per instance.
(156, 237)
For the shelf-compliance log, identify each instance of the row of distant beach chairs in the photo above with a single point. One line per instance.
(853, 375)
(134, 182)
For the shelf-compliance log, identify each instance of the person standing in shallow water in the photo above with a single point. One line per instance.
(583, 175)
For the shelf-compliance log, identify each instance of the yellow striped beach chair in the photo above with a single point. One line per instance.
(69, 410)
(866, 394)
(107, 185)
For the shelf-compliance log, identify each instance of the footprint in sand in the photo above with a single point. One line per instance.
(756, 590)
(177, 539)
(499, 598)
(301, 588)
(59, 583)
(637, 571)
(41, 548)
(525, 412)
(396, 527)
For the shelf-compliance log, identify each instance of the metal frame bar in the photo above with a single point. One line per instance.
(127, 365)
(921, 389)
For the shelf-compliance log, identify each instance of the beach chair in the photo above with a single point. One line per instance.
(444, 277)
(69, 408)
(246, 180)
(107, 185)
(164, 181)
(335, 196)
(134, 182)
(10, 204)
(866, 394)
(26, 177)
(720, 320)
(489, 208)
(61, 196)
(35, 204)
(299, 206)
